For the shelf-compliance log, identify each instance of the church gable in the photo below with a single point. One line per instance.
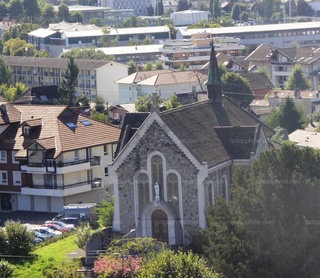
(157, 159)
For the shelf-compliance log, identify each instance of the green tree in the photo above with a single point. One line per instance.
(271, 217)
(167, 13)
(67, 87)
(84, 233)
(170, 264)
(237, 10)
(144, 103)
(18, 47)
(20, 31)
(105, 210)
(63, 12)
(238, 88)
(3, 242)
(48, 14)
(150, 11)
(3, 10)
(31, 9)
(5, 72)
(82, 101)
(297, 79)
(101, 117)
(20, 240)
(15, 9)
(132, 67)
(287, 116)
(158, 65)
(148, 66)
(6, 269)
(173, 31)
(173, 102)
(304, 9)
(182, 5)
(99, 105)
(97, 21)
(182, 67)
(42, 53)
(159, 8)
(75, 17)
(87, 54)
(215, 8)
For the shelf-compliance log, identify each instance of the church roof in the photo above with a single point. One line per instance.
(209, 131)
(197, 125)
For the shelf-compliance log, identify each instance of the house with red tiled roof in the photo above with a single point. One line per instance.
(53, 156)
(165, 83)
(279, 62)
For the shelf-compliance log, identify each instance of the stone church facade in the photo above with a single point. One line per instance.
(170, 166)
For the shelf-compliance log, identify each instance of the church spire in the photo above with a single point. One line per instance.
(214, 80)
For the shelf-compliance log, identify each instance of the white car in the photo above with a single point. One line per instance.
(47, 231)
(70, 227)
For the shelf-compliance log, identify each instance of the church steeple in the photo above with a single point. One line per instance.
(214, 80)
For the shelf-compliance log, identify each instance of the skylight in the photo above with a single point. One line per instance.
(86, 122)
(71, 125)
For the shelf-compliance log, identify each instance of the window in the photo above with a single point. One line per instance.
(224, 188)
(143, 191)
(26, 130)
(105, 149)
(3, 156)
(173, 191)
(3, 178)
(76, 155)
(106, 171)
(211, 194)
(14, 157)
(16, 178)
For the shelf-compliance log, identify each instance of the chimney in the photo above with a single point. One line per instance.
(214, 80)
(3, 110)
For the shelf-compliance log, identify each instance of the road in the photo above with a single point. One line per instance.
(26, 217)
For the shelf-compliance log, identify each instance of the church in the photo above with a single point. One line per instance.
(170, 166)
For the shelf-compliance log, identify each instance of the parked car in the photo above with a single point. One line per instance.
(71, 220)
(38, 240)
(55, 227)
(47, 231)
(70, 227)
(43, 235)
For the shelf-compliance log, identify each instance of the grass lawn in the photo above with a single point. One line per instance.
(50, 257)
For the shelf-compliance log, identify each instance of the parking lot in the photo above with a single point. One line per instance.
(26, 217)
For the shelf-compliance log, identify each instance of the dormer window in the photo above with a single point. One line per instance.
(26, 130)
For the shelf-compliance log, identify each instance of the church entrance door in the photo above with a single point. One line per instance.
(160, 225)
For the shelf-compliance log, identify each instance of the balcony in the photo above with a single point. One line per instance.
(61, 190)
(78, 165)
(61, 167)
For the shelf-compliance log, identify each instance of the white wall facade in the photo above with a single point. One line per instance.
(106, 75)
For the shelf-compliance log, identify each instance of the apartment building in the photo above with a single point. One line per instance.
(95, 77)
(194, 53)
(52, 156)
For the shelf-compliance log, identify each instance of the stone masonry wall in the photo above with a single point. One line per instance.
(156, 139)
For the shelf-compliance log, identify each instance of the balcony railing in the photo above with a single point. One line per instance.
(94, 184)
(93, 162)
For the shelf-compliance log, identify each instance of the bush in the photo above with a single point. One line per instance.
(170, 264)
(20, 240)
(121, 266)
(105, 211)
(84, 233)
(6, 269)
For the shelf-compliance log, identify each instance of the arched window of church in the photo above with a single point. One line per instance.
(210, 194)
(224, 187)
(143, 191)
(173, 191)
(157, 173)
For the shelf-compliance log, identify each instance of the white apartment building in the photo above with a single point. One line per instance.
(96, 77)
